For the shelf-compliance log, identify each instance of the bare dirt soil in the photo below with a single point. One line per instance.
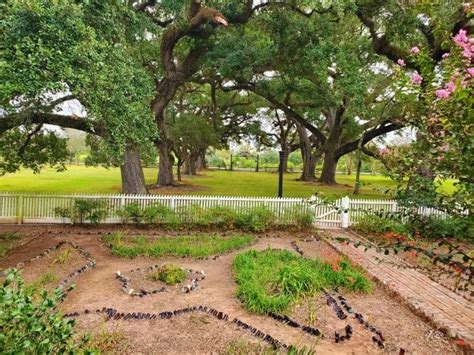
(201, 333)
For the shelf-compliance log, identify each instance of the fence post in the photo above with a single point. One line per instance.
(345, 201)
(19, 209)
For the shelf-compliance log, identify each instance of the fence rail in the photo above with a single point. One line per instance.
(42, 208)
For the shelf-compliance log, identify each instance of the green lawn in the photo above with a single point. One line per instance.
(79, 179)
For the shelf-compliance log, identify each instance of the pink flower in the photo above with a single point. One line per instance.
(434, 120)
(401, 62)
(440, 158)
(444, 148)
(416, 79)
(467, 52)
(445, 55)
(415, 50)
(461, 39)
(442, 93)
(470, 71)
(450, 87)
(383, 151)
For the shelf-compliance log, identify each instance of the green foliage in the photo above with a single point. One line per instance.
(62, 212)
(433, 227)
(43, 148)
(64, 257)
(196, 246)
(380, 224)
(255, 220)
(131, 212)
(272, 280)
(32, 326)
(160, 214)
(89, 210)
(6, 240)
(170, 274)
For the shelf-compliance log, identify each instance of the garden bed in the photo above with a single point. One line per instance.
(203, 332)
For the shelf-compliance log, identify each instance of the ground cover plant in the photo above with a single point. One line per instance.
(170, 274)
(197, 246)
(271, 280)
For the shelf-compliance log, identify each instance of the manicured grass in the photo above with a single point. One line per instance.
(79, 179)
(271, 280)
(197, 246)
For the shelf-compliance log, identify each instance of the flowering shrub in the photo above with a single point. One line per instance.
(439, 105)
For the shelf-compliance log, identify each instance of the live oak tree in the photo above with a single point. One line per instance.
(319, 70)
(61, 52)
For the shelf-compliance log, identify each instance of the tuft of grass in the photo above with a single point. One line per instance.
(48, 278)
(197, 246)
(242, 347)
(271, 280)
(170, 274)
(64, 257)
(6, 242)
(108, 341)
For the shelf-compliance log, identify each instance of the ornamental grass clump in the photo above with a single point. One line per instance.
(272, 280)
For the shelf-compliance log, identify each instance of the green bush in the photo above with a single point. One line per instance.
(89, 210)
(131, 212)
(32, 326)
(160, 214)
(222, 217)
(271, 280)
(380, 224)
(255, 220)
(436, 228)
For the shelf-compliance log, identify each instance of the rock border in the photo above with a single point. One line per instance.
(114, 314)
(191, 287)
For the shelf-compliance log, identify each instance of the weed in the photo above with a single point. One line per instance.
(243, 347)
(47, 278)
(271, 280)
(108, 341)
(64, 257)
(170, 274)
(6, 242)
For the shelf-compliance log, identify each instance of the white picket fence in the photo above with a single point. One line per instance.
(40, 208)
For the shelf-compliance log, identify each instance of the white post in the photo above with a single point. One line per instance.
(345, 212)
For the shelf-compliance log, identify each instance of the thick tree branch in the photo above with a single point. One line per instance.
(65, 121)
(368, 136)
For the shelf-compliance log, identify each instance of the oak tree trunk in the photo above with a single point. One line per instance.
(328, 173)
(133, 180)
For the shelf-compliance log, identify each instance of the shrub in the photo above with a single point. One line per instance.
(160, 214)
(29, 326)
(131, 212)
(435, 227)
(223, 217)
(303, 217)
(255, 220)
(380, 224)
(271, 280)
(62, 212)
(91, 210)
(170, 274)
